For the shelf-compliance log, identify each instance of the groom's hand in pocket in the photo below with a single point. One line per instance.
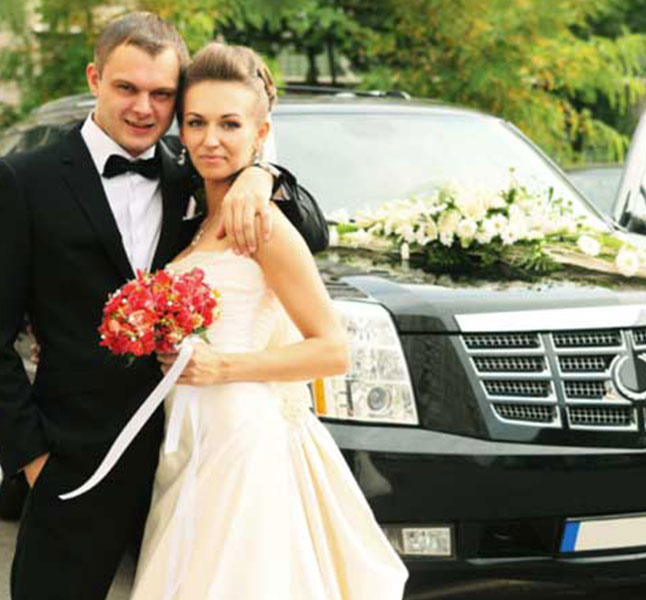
(33, 469)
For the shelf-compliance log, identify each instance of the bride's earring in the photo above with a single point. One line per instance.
(181, 159)
(254, 156)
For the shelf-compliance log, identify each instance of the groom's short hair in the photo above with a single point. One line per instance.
(144, 30)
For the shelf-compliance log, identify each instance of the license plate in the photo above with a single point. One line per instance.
(603, 533)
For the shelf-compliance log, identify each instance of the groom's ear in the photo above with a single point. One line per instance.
(93, 78)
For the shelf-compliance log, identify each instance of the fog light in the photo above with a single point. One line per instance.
(421, 541)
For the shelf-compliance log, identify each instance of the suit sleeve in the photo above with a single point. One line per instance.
(299, 206)
(21, 436)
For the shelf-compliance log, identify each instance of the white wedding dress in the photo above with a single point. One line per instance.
(257, 503)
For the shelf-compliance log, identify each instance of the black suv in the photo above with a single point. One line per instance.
(486, 421)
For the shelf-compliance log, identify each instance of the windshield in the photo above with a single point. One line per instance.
(357, 160)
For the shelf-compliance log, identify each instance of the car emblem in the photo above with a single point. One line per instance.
(628, 373)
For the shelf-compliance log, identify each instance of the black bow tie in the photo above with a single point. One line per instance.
(117, 165)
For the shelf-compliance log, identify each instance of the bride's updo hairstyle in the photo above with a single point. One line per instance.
(221, 62)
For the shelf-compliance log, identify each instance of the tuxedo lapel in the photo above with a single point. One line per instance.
(83, 179)
(174, 188)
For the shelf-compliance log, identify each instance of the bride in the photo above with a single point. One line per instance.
(256, 503)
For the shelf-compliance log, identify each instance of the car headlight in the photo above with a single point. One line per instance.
(377, 388)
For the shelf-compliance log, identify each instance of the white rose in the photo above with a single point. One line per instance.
(471, 205)
(466, 229)
(407, 233)
(627, 262)
(497, 224)
(364, 218)
(495, 201)
(509, 235)
(483, 236)
(519, 224)
(446, 238)
(421, 238)
(448, 222)
(588, 245)
(431, 230)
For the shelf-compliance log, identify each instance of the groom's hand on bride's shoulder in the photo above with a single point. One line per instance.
(246, 201)
(34, 468)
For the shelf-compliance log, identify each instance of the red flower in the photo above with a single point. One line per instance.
(155, 312)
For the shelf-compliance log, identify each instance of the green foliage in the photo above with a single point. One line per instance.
(8, 115)
(568, 73)
(51, 62)
(309, 27)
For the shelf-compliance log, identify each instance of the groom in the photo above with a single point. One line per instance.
(76, 220)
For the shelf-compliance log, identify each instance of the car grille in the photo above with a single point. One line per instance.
(558, 380)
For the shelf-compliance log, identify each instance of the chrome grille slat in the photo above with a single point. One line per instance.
(501, 341)
(615, 417)
(592, 390)
(541, 413)
(510, 364)
(592, 363)
(582, 339)
(525, 388)
(514, 376)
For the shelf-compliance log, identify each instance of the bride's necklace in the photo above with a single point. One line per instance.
(200, 232)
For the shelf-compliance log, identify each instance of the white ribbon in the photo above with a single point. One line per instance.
(139, 419)
(183, 520)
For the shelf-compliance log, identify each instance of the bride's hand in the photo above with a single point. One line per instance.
(206, 366)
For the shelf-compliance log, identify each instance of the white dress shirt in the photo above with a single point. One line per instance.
(135, 201)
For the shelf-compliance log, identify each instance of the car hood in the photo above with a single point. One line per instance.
(424, 302)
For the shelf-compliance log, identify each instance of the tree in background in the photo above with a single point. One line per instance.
(49, 62)
(309, 27)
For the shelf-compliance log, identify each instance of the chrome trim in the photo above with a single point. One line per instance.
(595, 317)
(555, 424)
(551, 398)
(599, 428)
(539, 351)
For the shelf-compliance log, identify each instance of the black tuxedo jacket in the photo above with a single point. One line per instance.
(60, 256)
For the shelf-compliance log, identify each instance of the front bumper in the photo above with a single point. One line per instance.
(507, 502)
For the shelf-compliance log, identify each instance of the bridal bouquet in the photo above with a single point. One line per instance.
(160, 312)
(156, 312)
